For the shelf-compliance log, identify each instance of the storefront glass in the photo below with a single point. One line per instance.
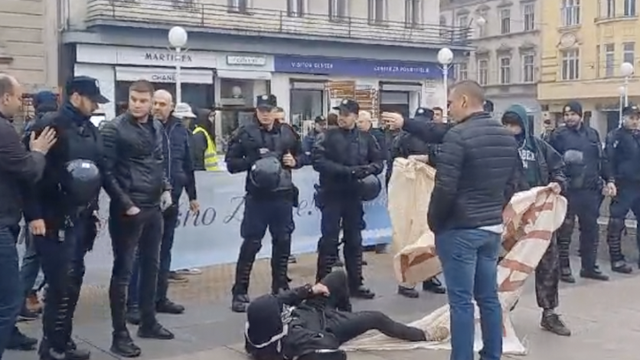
(198, 96)
(307, 101)
(237, 102)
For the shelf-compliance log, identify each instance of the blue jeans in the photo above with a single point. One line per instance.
(30, 268)
(10, 295)
(469, 262)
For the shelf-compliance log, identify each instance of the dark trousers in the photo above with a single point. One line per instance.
(10, 294)
(340, 325)
(349, 213)
(62, 259)
(128, 233)
(260, 214)
(628, 198)
(30, 267)
(548, 277)
(170, 218)
(585, 205)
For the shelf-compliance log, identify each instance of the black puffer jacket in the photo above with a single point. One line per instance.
(478, 170)
(133, 154)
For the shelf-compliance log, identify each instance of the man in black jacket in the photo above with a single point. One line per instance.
(478, 170)
(17, 168)
(61, 213)
(623, 168)
(267, 206)
(580, 146)
(179, 170)
(343, 156)
(542, 166)
(134, 156)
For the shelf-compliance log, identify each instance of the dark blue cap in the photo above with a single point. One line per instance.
(423, 113)
(85, 86)
(348, 105)
(267, 101)
(320, 119)
(631, 109)
(488, 106)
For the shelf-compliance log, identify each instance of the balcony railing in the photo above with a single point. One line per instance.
(251, 21)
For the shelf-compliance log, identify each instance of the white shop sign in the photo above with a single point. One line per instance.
(246, 60)
(124, 55)
(163, 75)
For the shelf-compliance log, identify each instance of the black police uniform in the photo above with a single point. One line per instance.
(622, 168)
(267, 206)
(66, 199)
(300, 325)
(583, 156)
(342, 157)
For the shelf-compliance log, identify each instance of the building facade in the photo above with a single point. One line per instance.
(506, 38)
(584, 45)
(29, 44)
(308, 53)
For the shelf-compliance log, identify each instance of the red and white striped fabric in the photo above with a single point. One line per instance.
(530, 219)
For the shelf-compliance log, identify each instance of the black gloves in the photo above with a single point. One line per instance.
(361, 172)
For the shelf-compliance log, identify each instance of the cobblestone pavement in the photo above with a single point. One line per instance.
(604, 317)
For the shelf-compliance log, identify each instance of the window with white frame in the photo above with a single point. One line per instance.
(412, 12)
(462, 21)
(505, 70)
(483, 71)
(296, 8)
(241, 6)
(338, 10)
(570, 12)
(377, 11)
(630, 7)
(505, 21)
(610, 9)
(629, 52)
(528, 67)
(462, 71)
(443, 27)
(482, 29)
(609, 59)
(529, 17)
(570, 68)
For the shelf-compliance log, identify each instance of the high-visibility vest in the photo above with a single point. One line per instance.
(211, 153)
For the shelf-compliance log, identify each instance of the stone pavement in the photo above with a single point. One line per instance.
(604, 317)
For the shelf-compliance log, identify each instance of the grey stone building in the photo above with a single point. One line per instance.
(297, 49)
(505, 35)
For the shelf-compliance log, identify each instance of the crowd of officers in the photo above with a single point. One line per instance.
(143, 160)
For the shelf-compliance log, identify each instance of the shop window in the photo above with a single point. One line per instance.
(198, 96)
(237, 103)
(306, 101)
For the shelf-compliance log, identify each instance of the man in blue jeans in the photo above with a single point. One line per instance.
(478, 169)
(18, 169)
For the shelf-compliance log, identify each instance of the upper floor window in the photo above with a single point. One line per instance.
(505, 21)
(462, 21)
(630, 7)
(412, 12)
(505, 70)
(483, 71)
(461, 71)
(338, 10)
(296, 8)
(528, 68)
(629, 52)
(570, 12)
(610, 10)
(529, 17)
(609, 59)
(241, 6)
(570, 69)
(377, 11)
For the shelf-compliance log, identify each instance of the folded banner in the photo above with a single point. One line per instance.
(530, 220)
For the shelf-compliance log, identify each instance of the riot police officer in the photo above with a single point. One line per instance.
(343, 157)
(623, 169)
(61, 211)
(405, 145)
(267, 150)
(582, 152)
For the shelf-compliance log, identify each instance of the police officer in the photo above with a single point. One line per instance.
(488, 106)
(405, 145)
(267, 150)
(344, 156)
(62, 211)
(582, 152)
(623, 170)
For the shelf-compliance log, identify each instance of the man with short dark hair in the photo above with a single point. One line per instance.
(438, 114)
(19, 169)
(134, 156)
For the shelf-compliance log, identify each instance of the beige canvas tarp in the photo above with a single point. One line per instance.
(530, 219)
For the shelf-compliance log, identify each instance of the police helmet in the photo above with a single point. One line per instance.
(370, 187)
(265, 173)
(82, 182)
(573, 157)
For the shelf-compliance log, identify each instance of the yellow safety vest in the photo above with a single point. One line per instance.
(211, 153)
